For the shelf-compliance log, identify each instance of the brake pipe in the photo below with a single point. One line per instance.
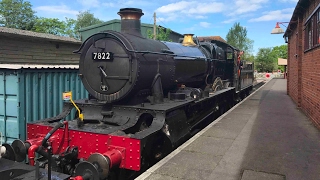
(31, 153)
(49, 134)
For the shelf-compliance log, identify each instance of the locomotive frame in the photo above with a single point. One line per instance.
(146, 112)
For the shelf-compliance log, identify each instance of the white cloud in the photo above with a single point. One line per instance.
(89, 3)
(140, 3)
(200, 17)
(205, 8)
(288, 10)
(110, 4)
(192, 7)
(246, 6)
(202, 9)
(278, 15)
(188, 30)
(293, 1)
(62, 9)
(127, 3)
(173, 7)
(167, 19)
(205, 24)
(229, 20)
(196, 27)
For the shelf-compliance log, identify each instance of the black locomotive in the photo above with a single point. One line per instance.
(146, 98)
(122, 67)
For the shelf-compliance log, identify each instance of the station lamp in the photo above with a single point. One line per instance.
(278, 29)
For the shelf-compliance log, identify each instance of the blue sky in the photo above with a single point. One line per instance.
(202, 18)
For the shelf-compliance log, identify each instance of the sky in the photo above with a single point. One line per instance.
(202, 18)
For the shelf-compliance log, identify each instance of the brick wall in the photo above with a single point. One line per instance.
(35, 51)
(293, 67)
(310, 101)
(304, 70)
(295, 62)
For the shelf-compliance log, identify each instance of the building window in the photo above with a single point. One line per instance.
(312, 30)
(308, 35)
(309, 29)
(318, 28)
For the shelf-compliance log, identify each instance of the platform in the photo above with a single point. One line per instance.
(264, 137)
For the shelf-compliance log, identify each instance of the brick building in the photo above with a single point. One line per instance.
(26, 47)
(303, 36)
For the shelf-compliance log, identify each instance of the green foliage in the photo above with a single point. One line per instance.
(249, 57)
(50, 26)
(17, 14)
(70, 28)
(280, 52)
(150, 34)
(162, 34)
(265, 60)
(84, 19)
(237, 37)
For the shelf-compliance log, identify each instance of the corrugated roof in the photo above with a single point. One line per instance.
(99, 25)
(118, 21)
(19, 32)
(37, 66)
(107, 23)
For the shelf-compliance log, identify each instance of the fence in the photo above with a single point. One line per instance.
(268, 75)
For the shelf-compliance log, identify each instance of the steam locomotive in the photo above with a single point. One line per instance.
(147, 97)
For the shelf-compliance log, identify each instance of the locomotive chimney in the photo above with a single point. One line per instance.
(188, 40)
(130, 20)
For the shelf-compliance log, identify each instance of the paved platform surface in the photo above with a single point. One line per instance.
(266, 137)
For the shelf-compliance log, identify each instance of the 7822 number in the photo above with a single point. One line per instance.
(102, 56)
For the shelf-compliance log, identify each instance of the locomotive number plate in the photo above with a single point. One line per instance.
(102, 56)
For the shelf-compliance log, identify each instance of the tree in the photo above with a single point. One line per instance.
(249, 57)
(50, 26)
(280, 52)
(84, 19)
(162, 35)
(265, 60)
(17, 14)
(237, 37)
(70, 28)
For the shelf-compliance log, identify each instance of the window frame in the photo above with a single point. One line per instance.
(317, 24)
(312, 30)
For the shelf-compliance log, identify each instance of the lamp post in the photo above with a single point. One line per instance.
(278, 29)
